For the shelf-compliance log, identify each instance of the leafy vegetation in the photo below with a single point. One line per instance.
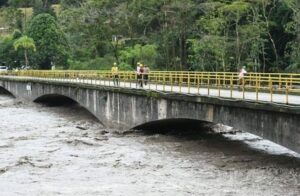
(26, 44)
(51, 44)
(210, 35)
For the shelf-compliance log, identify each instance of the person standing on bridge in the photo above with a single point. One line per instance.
(137, 73)
(141, 75)
(115, 74)
(241, 76)
(146, 74)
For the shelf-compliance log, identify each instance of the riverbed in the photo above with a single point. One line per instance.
(66, 151)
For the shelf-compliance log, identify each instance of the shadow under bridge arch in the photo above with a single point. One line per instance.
(177, 126)
(4, 91)
(57, 100)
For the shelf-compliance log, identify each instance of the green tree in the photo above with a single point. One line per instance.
(26, 43)
(194, 34)
(43, 6)
(146, 54)
(21, 3)
(71, 3)
(292, 52)
(208, 51)
(50, 41)
(234, 13)
(12, 18)
(8, 55)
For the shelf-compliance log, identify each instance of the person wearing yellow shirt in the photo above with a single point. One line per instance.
(115, 74)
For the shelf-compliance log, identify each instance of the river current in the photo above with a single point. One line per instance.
(66, 151)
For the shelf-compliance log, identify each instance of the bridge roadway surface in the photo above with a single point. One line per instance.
(224, 93)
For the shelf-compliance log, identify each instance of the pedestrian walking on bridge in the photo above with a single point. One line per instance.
(241, 76)
(115, 74)
(140, 75)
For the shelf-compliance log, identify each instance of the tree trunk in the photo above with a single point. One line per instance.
(237, 49)
(269, 34)
(264, 58)
(223, 63)
(26, 58)
(116, 50)
(183, 51)
(274, 49)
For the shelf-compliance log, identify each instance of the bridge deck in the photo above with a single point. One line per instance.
(236, 94)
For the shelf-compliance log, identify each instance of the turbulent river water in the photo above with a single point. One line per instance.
(66, 151)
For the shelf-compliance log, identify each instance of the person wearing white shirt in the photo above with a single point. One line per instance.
(242, 74)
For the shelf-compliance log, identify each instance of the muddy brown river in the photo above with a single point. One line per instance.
(66, 151)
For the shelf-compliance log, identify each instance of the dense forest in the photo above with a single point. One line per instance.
(205, 35)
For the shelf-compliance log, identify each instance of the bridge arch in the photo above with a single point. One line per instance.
(4, 91)
(56, 99)
(174, 124)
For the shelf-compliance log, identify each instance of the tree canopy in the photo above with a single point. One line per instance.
(50, 42)
(26, 43)
(210, 35)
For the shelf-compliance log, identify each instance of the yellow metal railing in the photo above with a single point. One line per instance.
(208, 83)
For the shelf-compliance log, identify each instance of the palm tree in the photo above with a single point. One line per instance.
(26, 43)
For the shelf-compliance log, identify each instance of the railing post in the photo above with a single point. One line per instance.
(286, 93)
(271, 90)
(244, 84)
(208, 85)
(231, 86)
(180, 82)
(201, 82)
(219, 86)
(270, 84)
(171, 81)
(256, 87)
(198, 83)
(259, 81)
(156, 80)
(189, 83)
(134, 78)
(280, 82)
(148, 80)
(164, 82)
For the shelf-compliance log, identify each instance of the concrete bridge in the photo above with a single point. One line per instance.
(126, 108)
